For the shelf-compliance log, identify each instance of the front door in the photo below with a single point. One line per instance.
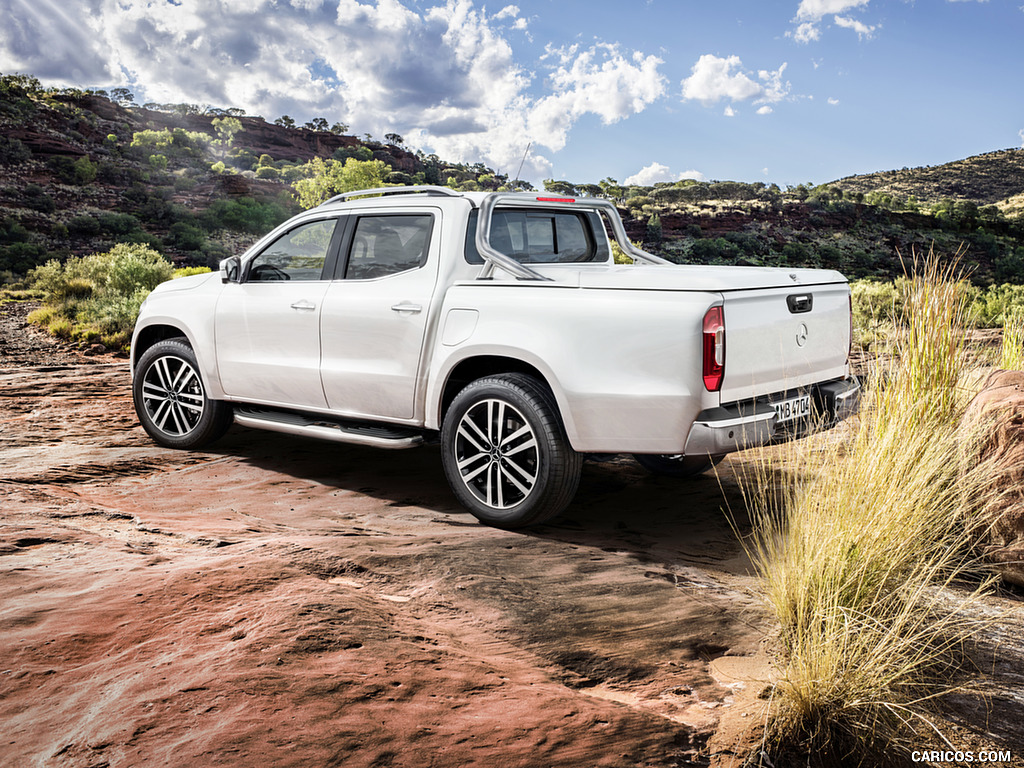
(268, 326)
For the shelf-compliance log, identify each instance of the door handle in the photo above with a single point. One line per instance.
(304, 305)
(405, 306)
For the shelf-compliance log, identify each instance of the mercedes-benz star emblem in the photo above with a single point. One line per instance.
(801, 335)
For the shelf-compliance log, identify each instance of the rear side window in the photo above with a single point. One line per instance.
(387, 245)
(539, 237)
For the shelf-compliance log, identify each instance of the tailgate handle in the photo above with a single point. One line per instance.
(800, 302)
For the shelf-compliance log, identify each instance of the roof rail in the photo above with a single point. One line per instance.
(423, 189)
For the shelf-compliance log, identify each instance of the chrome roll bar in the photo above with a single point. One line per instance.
(496, 258)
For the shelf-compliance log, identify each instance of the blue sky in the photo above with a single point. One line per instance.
(785, 92)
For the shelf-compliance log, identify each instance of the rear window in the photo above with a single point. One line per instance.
(540, 237)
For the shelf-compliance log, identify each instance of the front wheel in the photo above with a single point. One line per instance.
(171, 401)
(676, 466)
(505, 452)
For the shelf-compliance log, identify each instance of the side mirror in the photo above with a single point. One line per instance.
(230, 269)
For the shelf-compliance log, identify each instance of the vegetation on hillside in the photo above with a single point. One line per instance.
(83, 171)
(860, 234)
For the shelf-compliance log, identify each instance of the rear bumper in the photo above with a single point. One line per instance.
(752, 423)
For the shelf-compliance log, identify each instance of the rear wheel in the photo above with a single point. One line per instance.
(171, 401)
(676, 466)
(505, 452)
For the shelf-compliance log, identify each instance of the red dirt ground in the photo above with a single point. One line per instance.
(284, 602)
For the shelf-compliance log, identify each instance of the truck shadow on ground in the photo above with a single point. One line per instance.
(619, 505)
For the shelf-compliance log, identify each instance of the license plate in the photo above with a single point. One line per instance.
(792, 409)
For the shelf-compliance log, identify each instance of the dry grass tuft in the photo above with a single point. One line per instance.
(856, 554)
(1012, 358)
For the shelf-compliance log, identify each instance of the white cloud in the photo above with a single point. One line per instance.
(811, 13)
(805, 33)
(832, 101)
(656, 172)
(442, 74)
(815, 10)
(863, 30)
(714, 78)
(1021, 134)
(765, 110)
(729, 112)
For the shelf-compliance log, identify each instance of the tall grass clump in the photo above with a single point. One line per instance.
(857, 554)
(1012, 358)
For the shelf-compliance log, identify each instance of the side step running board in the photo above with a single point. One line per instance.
(313, 425)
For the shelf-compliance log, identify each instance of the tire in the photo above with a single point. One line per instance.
(171, 401)
(676, 466)
(505, 452)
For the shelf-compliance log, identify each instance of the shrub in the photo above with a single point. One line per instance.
(84, 225)
(13, 152)
(189, 271)
(19, 258)
(98, 295)
(37, 199)
(876, 306)
(84, 171)
(187, 237)
(244, 215)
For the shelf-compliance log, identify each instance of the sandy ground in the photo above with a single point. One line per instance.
(285, 602)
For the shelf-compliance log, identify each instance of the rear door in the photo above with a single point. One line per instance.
(376, 311)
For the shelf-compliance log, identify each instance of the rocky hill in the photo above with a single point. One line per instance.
(983, 179)
(80, 172)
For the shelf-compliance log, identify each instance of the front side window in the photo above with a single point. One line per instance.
(297, 255)
(387, 245)
(537, 237)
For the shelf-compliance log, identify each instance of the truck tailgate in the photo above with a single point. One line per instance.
(780, 339)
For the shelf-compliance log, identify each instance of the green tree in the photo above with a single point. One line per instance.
(316, 124)
(226, 128)
(122, 96)
(560, 187)
(654, 232)
(330, 177)
(285, 121)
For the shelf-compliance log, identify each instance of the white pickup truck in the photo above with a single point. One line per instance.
(499, 325)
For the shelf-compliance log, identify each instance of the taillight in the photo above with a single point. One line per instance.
(714, 349)
(849, 349)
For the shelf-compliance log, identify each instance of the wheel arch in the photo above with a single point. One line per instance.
(153, 334)
(478, 366)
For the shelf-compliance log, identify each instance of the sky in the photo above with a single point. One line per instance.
(785, 92)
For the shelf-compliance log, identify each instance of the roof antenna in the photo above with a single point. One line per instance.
(530, 144)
